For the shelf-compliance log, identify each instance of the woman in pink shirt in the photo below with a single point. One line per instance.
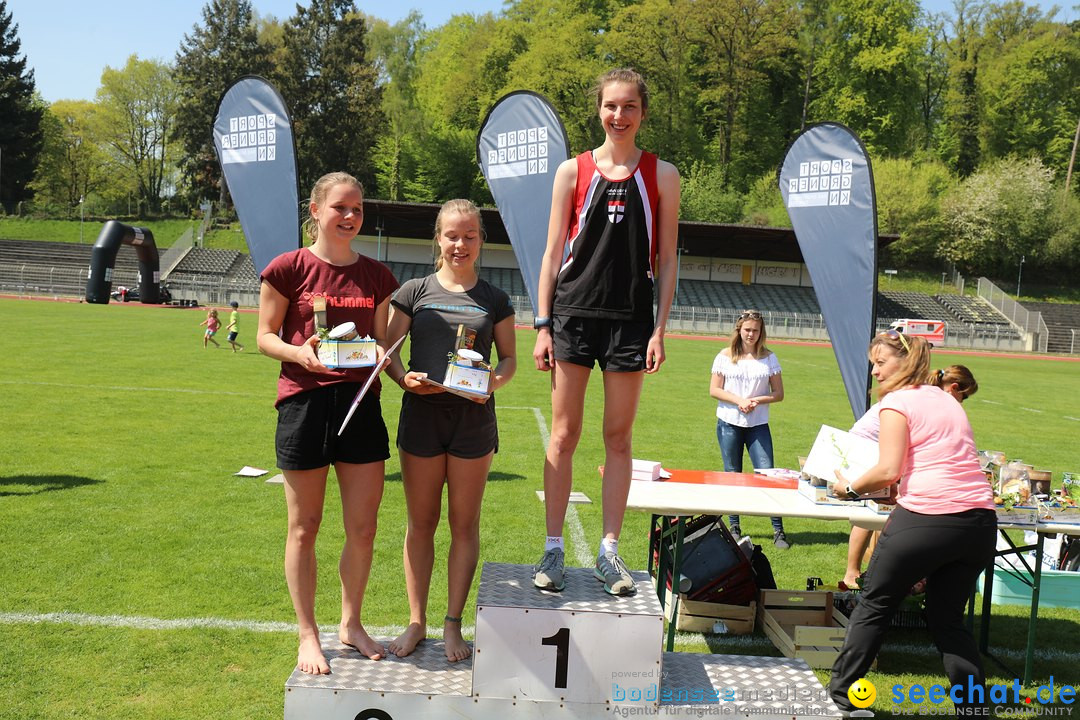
(943, 527)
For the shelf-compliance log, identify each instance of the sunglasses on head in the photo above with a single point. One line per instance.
(750, 315)
(895, 334)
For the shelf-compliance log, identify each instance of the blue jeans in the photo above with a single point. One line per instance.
(758, 442)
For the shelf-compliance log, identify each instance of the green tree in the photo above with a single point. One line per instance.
(73, 165)
(1063, 245)
(705, 196)
(869, 71)
(959, 142)
(137, 110)
(457, 77)
(394, 49)
(1031, 95)
(656, 37)
(461, 71)
(556, 43)
(909, 196)
(21, 134)
(933, 69)
(212, 56)
(330, 86)
(764, 204)
(741, 42)
(1001, 212)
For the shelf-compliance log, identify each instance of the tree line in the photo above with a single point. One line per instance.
(970, 117)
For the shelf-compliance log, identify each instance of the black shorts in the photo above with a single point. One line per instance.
(307, 429)
(232, 336)
(615, 345)
(463, 429)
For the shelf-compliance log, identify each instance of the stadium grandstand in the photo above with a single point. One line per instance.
(723, 270)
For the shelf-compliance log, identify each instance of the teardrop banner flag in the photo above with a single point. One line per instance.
(253, 137)
(519, 147)
(828, 189)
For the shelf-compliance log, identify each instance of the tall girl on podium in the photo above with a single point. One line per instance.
(616, 209)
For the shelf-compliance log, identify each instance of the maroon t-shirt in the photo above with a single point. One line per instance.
(352, 293)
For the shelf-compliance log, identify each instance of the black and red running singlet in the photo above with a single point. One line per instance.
(612, 243)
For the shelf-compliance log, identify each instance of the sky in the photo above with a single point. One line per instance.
(70, 42)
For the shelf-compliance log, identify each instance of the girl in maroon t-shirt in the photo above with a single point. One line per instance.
(313, 401)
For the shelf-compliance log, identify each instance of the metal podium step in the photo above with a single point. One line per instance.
(505, 585)
(525, 668)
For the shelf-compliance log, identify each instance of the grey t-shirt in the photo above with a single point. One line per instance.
(436, 314)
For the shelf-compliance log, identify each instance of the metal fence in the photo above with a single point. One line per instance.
(1030, 322)
(27, 280)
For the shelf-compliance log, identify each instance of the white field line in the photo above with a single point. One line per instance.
(720, 643)
(137, 622)
(573, 521)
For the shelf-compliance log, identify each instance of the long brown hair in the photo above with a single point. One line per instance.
(322, 186)
(957, 375)
(736, 346)
(914, 364)
(465, 207)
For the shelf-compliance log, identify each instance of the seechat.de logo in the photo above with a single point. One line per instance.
(862, 694)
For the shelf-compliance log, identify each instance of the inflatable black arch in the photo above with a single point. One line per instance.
(103, 258)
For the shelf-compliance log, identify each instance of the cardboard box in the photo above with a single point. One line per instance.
(1062, 514)
(879, 507)
(822, 496)
(1022, 515)
(645, 470)
(347, 353)
(803, 625)
(706, 617)
(468, 378)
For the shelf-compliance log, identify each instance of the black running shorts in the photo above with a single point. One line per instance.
(307, 429)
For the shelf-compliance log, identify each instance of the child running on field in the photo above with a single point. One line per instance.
(212, 326)
(233, 327)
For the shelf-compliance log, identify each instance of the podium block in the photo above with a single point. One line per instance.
(579, 654)
(579, 646)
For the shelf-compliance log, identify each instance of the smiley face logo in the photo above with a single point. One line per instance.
(862, 693)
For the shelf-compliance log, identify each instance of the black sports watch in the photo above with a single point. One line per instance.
(851, 494)
(541, 322)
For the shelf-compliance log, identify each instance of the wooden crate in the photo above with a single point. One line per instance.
(803, 625)
(697, 616)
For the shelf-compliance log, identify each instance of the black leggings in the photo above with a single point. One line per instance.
(950, 551)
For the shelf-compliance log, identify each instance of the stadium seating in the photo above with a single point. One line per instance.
(1062, 323)
(227, 273)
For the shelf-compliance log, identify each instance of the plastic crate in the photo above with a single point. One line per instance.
(1059, 588)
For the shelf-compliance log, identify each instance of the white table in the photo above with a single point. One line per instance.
(682, 499)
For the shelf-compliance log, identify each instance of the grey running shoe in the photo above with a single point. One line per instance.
(780, 540)
(611, 569)
(548, 573)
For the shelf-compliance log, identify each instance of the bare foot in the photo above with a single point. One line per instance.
(852, 581)
(407, 641)
(310, 658)
(358, 639)
(456, 647)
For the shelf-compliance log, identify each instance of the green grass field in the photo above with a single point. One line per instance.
(140, 579)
